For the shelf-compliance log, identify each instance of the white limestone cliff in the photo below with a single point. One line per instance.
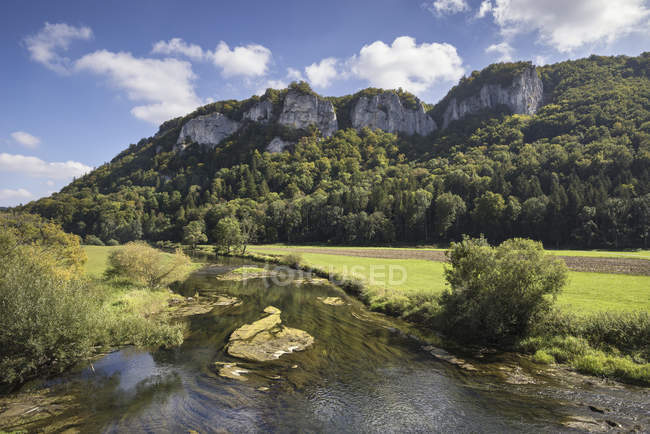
(208, 130)
(523, 96)
(302, 110)
(386, 112)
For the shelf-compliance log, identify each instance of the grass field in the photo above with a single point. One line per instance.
(585, 292)
(639, 254)
(97, 257)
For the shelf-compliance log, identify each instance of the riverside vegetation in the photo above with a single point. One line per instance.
(502, 297)
(53, 315)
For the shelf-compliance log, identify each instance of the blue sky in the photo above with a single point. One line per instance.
(81, 80)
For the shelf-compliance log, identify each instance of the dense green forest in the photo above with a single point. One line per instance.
(575, 174)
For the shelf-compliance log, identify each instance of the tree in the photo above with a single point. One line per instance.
(496, 292)
(63, 249)
(248, 230)
(448, 208)
(194, 233)
(227, 235)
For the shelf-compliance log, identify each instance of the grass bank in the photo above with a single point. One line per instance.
(133, 313)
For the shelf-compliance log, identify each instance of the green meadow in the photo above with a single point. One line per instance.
(585, 293)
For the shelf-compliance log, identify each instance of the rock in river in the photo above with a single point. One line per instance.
(267, 339)
(332, 301)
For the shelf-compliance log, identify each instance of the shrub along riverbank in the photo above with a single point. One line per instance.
(53, 314)
(595, 342)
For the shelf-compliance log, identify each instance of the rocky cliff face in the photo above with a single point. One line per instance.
(523, 96)
(277, 145)
(386, 112)
(302, 110)
(207, 130)
(262, 111)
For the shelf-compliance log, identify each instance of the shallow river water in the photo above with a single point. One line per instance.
(364, 373)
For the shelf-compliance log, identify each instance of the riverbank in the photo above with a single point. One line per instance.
(601, 337)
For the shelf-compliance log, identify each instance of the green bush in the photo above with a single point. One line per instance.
(93, 240)
(140, 263)
(497, 292)
(627, 332)
(577, 353)
(543, 357)
(112, 242)
(293, 260)
(46, 323)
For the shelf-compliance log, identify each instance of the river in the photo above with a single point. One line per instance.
(365, 372)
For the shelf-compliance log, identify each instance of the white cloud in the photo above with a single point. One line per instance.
(503, 49)
(540, 60)
(178, 46)
(250, 60)
(37, 168)
(486, 8)
(568, 25)
(294, 74)
(273, 84)
(45, 45)
(9, 197)
(406, 64)
(321, 74)
(164, 85)
(25, 139)
(448, 7)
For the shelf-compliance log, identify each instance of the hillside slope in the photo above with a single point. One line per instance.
(572, 169)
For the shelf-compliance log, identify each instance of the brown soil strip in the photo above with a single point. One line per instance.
(575, 263)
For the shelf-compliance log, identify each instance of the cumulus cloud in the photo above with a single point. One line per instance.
(294, 74)
(25, 139)
(273, 84)
(321, 74)
(45, 46)
(250, 60)
(414, 67)
(486, 8)
(503, 49)
(448, 7)
(165, 86)
(178, 46)
(37, 168)
(9, 197)
(540, 60)
(568, 25)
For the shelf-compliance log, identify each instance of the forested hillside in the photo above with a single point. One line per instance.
(575, 174)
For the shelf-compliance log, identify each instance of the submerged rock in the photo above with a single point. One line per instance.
(231, 370)
(332, 301)
(202, 305)
(267, 339)
(441, 354)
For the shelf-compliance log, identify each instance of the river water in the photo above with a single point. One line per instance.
(364, 373)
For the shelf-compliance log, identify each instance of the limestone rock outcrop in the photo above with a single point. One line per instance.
(523, 96)
(302, 110)
(267, 339)
(386, 112)
(261, 111)
(207, 130)
(277, 145)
